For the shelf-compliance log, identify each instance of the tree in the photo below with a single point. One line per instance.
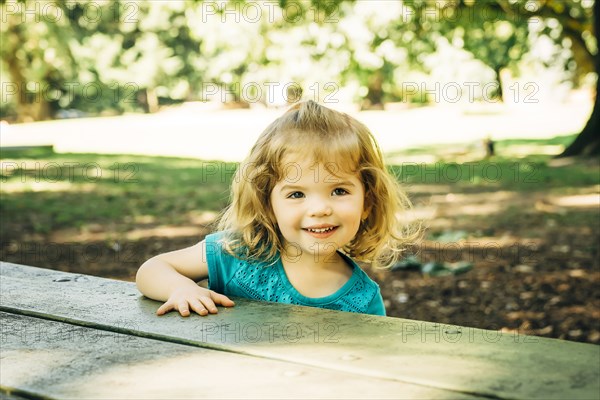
(36, 59)
(578, 29)
(166, 50)
(573, 24)
(588, 141)
(497, 40)
(373, 56)
(96, 56)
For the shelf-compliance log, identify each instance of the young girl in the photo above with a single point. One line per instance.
(313, 196)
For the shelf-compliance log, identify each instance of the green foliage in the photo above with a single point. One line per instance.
(122, 56)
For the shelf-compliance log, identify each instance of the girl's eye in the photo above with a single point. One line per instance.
(339, 192)
(295, 195)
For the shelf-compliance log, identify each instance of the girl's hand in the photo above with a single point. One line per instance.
(201, 300)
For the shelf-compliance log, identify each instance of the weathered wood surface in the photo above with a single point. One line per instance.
(458, 359)
(44, 358)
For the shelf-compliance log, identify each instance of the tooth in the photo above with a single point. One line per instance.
(321, 230)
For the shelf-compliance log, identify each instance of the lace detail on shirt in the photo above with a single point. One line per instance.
(264, 283)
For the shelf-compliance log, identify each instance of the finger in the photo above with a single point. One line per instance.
(198, 307)
(165, 308)
(209, 304)
(221, 299)
(183, 309)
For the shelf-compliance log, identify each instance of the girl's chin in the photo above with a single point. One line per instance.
(318, 250)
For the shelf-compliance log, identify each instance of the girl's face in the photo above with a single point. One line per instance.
(317, 212)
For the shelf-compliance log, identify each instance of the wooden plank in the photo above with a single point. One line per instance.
(467, 360)
(44, 358)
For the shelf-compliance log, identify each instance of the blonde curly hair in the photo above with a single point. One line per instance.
(335, 140)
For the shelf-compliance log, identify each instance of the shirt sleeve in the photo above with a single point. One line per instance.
(376, 307)
(221, 265)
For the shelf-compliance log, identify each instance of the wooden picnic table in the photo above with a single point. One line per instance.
(67, 335)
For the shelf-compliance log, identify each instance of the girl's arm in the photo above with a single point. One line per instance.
(171, 277)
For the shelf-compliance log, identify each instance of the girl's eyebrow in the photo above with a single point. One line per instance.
(297, 187)
(343, 183)
(290, 187)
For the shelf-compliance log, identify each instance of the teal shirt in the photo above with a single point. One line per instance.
(232, 276)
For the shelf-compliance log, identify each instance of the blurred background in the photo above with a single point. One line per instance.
(123, 122)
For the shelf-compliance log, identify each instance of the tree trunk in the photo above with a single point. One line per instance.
(374, 98)
(587, 143)
(152, 100)
(500, 92)
(30, 103)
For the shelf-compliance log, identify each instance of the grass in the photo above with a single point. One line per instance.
(502, 146)
(531, 173)
(43, 191)
(509, 170)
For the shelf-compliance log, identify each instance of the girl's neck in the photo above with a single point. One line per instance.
(314, 262)
(315, 279)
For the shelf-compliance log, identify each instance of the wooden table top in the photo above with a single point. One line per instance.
(69, 335)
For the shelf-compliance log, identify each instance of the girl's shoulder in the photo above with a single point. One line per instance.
(359, 275)
(221, 242)
(363, 295)
(228, 246)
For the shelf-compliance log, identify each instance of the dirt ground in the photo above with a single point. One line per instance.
(535, 260)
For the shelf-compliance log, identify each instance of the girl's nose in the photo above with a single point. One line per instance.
(320, 208)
